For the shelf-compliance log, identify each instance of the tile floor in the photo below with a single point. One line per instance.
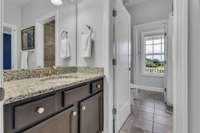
(149, 115)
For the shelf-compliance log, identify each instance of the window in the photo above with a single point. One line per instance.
(154, 54)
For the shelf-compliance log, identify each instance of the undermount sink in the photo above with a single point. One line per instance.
(58, 77)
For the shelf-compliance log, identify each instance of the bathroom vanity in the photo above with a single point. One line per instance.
(66, 103)
(45, 34)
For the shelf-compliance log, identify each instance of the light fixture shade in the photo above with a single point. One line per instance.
(57, 2)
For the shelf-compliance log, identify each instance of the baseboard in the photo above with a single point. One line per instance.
(125, 122)
(147, 88)
(122, 114)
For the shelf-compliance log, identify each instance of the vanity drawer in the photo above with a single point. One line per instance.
(75, 95)
(97, 86)
(27, 114)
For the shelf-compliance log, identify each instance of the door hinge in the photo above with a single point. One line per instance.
(114, 62)
(114, 111)
(114, 13)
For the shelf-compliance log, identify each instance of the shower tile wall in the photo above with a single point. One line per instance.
(49, 44)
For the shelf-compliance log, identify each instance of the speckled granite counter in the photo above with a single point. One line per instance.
(16, 90)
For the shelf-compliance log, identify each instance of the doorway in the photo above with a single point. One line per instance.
(47, 34)
(149, 113)
(10, 47)
(49, 44)
(7, 60)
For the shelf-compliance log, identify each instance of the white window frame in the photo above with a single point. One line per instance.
(142, 48)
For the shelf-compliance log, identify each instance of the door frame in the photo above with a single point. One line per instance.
(138, 33)
(180, 65)
(40, 38)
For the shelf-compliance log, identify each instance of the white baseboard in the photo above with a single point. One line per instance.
(147, 88)
(123, 113)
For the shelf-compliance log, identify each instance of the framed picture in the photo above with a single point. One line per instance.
(28, 38)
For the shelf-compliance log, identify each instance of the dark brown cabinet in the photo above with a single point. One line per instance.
(91, 116)
(78, 109)
(65, 122)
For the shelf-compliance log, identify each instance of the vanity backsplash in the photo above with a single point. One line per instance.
(45, 72)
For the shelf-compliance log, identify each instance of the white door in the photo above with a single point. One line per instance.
(1, 68)
(121, 69)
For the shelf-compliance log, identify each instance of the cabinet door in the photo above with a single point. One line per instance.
(65, 122)
(91, 115)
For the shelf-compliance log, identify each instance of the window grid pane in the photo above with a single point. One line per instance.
(154, 53)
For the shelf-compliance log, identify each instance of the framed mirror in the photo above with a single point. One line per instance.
(39, 33)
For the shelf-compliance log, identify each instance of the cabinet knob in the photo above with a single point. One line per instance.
(74, 113)
(99, 86)
(83, 108)
(40, 110)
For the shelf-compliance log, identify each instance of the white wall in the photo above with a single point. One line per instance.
(149, 11)
(144, 13)
(98, 14)
(91, 12)
(194, 65)
(107, 55)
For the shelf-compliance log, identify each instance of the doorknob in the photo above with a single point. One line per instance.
(83, 108)
(74, 113)
(40, 110)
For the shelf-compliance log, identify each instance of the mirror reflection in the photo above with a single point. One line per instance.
(90, 33)
(39, 33)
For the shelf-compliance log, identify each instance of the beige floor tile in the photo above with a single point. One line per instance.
(148, 103)
(163, 113)
(143, 124)
(166, 120)
(160, 106)
(149, 115)
(160, 128)
(142, 115)
(143, 108)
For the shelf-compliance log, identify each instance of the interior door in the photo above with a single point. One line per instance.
(121, 67)
(49, 44)
(7, 51)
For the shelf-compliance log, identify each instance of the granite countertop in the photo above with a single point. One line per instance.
(17, 90)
